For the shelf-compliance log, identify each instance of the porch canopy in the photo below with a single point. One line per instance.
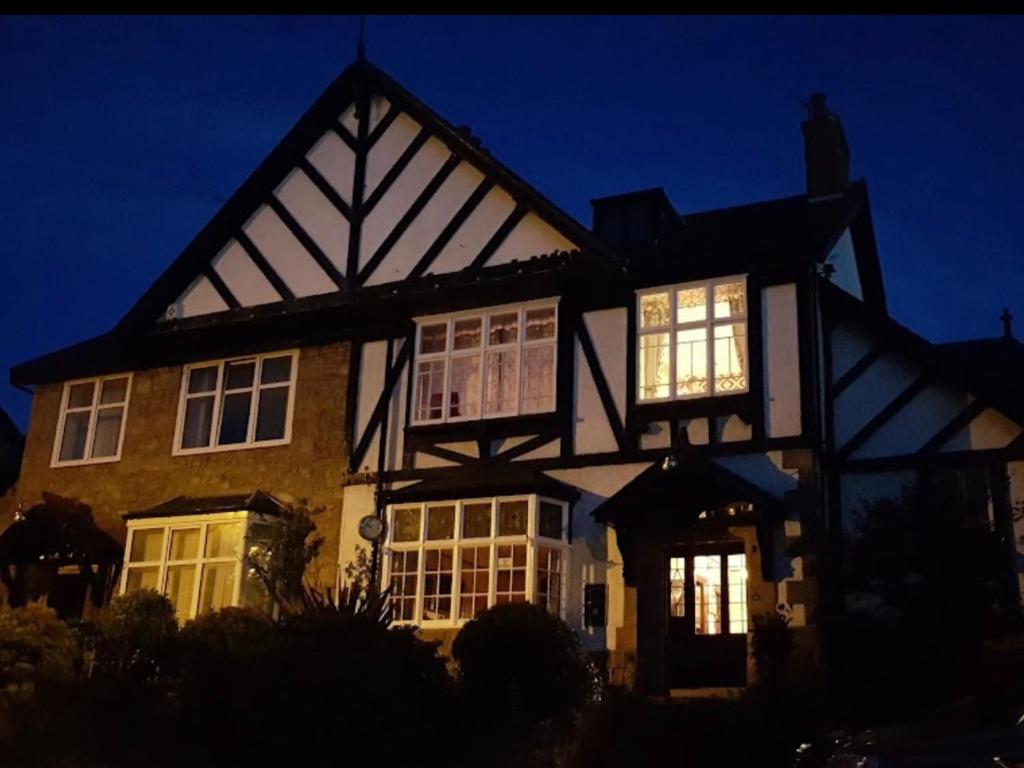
(258, 501)
(504, 479)
(55, 533)
(687, 496)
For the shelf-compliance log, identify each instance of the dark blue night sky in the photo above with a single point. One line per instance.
(120, 137)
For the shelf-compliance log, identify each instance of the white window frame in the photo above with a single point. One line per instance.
(219, 393)
(93, 409)
(673, 327)
(184, 522)
(449, 353)
(531, 539)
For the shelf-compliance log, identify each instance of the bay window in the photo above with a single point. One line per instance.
(692, 340)
(485, 364)
(91, 424)
(195, 561)
(236, 403)
(447, 561)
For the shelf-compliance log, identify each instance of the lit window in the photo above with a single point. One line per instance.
(195, 561)
(91, 425)
(692, 340)
(236, 403)
(718, 601)
(447, 561)
(485, 365)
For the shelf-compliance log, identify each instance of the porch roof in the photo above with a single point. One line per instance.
(471, 483)
(683, 490)
(258, 501)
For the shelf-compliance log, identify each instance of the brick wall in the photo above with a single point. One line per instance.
(311, 467)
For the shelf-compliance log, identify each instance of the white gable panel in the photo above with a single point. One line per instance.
(379, 106)
(335, 162)
(547, 451)
(423, 460)
(242, 277)
(396, 420)
(468, 448)
(470, 238)
(348, 119)
(532, 237)
(508, 443)
(372, 369)
(317, 216)
(849, 344)
(200, 298)
(916, 423)
(990, 429)
(286, 255)
(871, 392)
(400, 197)
(782, 367)
(592, 432)
(434, 217)
(608, 329)
(388, 149)
(844, 259)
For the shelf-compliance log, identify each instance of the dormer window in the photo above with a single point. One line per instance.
(692, 340)
(485, 364)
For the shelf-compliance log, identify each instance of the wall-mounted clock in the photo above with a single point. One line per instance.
(371, 527)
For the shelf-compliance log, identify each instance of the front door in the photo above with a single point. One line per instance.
(706, 639)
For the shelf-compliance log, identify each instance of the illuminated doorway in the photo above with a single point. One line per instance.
(706, 642)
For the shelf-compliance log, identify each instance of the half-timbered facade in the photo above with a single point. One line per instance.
(655, 427)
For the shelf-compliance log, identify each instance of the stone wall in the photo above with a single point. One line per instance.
(311, 467)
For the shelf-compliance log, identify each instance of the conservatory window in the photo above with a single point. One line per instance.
(692, 340)
(447, 561)
(91, 425)
(485, 364)
(195, 561)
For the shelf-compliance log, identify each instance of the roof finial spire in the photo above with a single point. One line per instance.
(1007, 319)
(361, 45)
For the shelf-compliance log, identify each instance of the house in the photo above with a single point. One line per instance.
(11, 443)
(654, 427)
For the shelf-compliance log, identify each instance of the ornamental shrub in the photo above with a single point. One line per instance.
(524, 674)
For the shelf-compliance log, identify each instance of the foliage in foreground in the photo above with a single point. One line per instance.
(527, 683)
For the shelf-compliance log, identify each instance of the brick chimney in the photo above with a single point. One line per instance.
(826, 154)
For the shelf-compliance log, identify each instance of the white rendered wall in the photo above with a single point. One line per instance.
(782, 360)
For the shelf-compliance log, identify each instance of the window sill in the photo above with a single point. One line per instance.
(230, 448)
(720, 405)
(485, 429)
(84, 462)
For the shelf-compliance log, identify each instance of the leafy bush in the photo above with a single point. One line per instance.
(772, 647)
(134, 636)
(281, 557)
(35, 647)
(525, 676)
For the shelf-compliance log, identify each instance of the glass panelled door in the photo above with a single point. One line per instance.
(706, 639)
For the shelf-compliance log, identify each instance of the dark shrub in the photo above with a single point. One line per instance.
(772, 647)
(309, 689)
(134, 637)
(524, 674)
(35, 648)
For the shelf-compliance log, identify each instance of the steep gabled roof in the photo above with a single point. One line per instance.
(991, 369)
(310, 199)
(369, 187)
